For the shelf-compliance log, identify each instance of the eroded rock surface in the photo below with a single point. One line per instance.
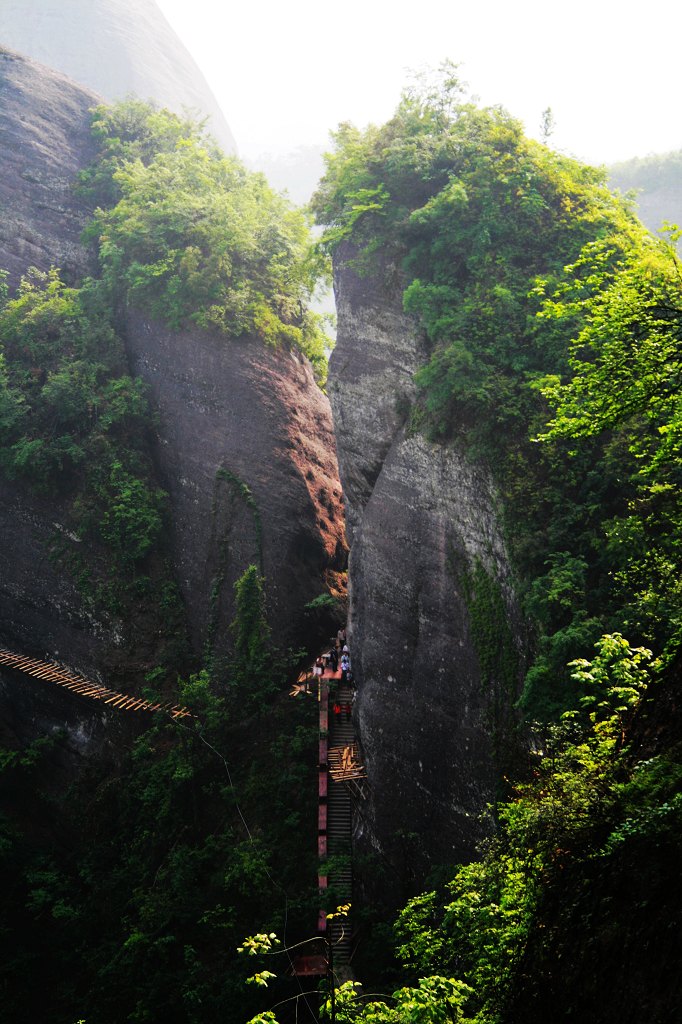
(370, 385)
(246, 451)
(423, 521)
(49, 608)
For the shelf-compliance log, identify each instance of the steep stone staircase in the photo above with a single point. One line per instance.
(339, 824)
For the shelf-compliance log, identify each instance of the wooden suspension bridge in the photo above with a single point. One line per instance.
(52, 672)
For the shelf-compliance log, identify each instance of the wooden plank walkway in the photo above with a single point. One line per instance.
(52, 672)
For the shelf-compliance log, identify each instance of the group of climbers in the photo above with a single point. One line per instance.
(338, 657)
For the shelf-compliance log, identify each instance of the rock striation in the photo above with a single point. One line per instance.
(422, 522)
(113, 48)
(44, 141)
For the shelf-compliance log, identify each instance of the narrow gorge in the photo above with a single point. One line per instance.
(478, 478)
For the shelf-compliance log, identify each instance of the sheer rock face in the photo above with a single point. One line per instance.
(421, 518)
(42, 610)
(377, 352)
(245, 446)
(246, 452)
(44, 142)
(46, 613)
(114, 48)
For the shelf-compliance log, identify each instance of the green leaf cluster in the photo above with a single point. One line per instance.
(473, 211)
(585, 800)
(624, 383)
(251, 677)
(587, 807)
(164, 859)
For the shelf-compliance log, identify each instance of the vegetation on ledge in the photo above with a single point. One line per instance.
(195, 238)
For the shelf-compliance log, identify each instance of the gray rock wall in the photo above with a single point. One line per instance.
(48, 611)
(80, 728)
(44, 142)
(42, 610)
(422, 519)
(377, 352)
(231, 416)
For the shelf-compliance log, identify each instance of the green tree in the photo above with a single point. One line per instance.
(626, 370)
(252, 667)
(456, 205)
(74, 424)
(569, 812)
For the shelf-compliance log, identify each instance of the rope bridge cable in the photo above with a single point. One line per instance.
(52, 672)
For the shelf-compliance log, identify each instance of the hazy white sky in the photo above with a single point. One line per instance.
(285, 73)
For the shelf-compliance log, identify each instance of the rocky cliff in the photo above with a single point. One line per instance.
(243, 445)
(246, 452)
(423, 524)
(45, 132)
(113, 48)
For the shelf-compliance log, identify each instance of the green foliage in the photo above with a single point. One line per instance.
(132, 521)
(246, 494)
(251, 675)
(73, 423)
(474, 211)
(194, 237)
(128, 131)
(75, 427)
(615, 680)
(585, 799)
(497, 652)
(29, 758)
(321, 602)
(172, 853)
(434, 1000)
(625, 362)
